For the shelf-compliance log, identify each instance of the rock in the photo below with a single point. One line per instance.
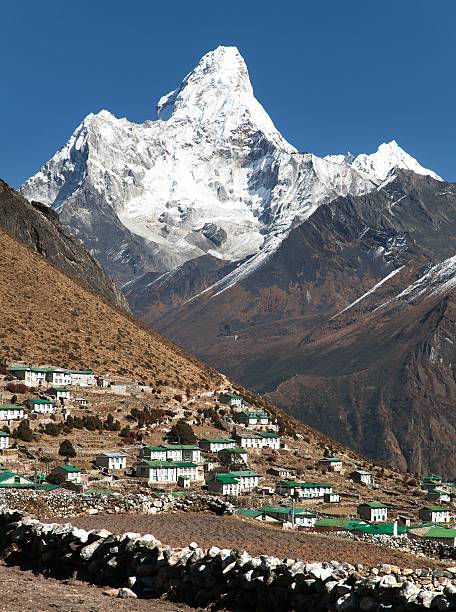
(388, 581)
(367, 604)
(125, 593)
(347, 602)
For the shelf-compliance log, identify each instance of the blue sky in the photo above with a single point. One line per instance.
(333, 75)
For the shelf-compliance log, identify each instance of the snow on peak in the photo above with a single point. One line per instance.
(216, 100)
(378, 165)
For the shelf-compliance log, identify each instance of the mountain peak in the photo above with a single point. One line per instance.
(378, 165)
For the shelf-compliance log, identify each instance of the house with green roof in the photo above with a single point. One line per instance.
(59, 393)
(40, 406)
(213, 445)
(224, 483)
(83, 378)
(300, 517)
(251, 418)
(231, 399)
(171, 452)
(435, 514)
(4, 440)
(305, 490)
(444, 535)
(68, 473)
(248, 479)
(391, 529)
(373, 511)
(331, 464)
(167, 471)
(438, 496)
(233, 456)
(335, 524)
(11, 412)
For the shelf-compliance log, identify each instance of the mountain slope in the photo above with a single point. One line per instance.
(211, 175)
(48, 317)
(39, 227)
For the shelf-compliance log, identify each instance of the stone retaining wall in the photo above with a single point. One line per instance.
(141, 566)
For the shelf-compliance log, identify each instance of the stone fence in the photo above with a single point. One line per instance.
(141, 566)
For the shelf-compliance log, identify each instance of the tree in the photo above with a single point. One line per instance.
(23, 432)
(66, 449)
(182, 433)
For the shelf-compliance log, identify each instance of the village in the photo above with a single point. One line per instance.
(64, 430)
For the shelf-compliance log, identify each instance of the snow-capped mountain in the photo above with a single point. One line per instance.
(378, 165)
(211, 175)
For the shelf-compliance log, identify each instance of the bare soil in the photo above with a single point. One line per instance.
(29, 592)
(179, 529)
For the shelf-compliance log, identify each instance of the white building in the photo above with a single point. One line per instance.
(280, 471)
(58, 376)
(4, 440)
(30, 375)
(167, 471)
(40, 406)
(171, 452)
(10, 412)
(60, 393)
(224, 484)
(270, 440)
(68, 472)
(362, 476)
(112, 461)
(374, 511)
(331, 498)
(296, 516)
(82, 401)
(248, 479)
(332, 464)
(103, 382)
(250, 418)
(83, 378)
(305, 490)
(231, 399)
(434, 514)
(213, 445)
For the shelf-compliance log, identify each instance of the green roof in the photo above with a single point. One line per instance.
(254, 413)
(5, 474)
(154, 448)
(440, 532)
(231, 395)
(235, 450)
(269, 434)
(58, 389)
(44, 486)
(381, 529)
(437, 492)
(79, 372)
(248, 512)
(10, 407)
(226, 479)
(304, 485)
(69, 468)
(331, 460)
(249, 436)
(435, 509)
(39, 401)
(287, 510)
(182, 447)
(218, 440)
(373, 505)
(3, 434)
(243, 473)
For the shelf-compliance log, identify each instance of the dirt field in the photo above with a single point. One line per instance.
(179, 529)
(28, 592)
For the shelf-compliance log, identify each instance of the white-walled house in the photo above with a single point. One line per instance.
(4, 440)
(305, 490)
(11, 412)
(249, 440)
(231, 399)
(434, 514)
(286, 514)
(373, 511)
(68, 472)
(248, 479)
(270, 440)
(331, 498)
(362, 476)
(40, 406)
(112, 460)
(30, 375)
(224, 484)
(438, 495)
(332, 464)
(171, 452)
(83, 378)
(250, 418)
(214, 445)
(280, 471)
(60, 393)
(58, 376)
(167, 471)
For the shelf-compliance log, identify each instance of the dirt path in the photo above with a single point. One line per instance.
(28, 592)
(179, 529)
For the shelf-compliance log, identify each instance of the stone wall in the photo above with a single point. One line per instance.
(66, 503)
(141, 566)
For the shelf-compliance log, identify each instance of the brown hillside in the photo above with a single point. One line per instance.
(49, 318)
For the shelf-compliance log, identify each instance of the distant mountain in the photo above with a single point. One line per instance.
(38, 226)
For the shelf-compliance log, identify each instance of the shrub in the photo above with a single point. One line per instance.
(23, 432)
(66, 449)
(53, 429)
(182, 433)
